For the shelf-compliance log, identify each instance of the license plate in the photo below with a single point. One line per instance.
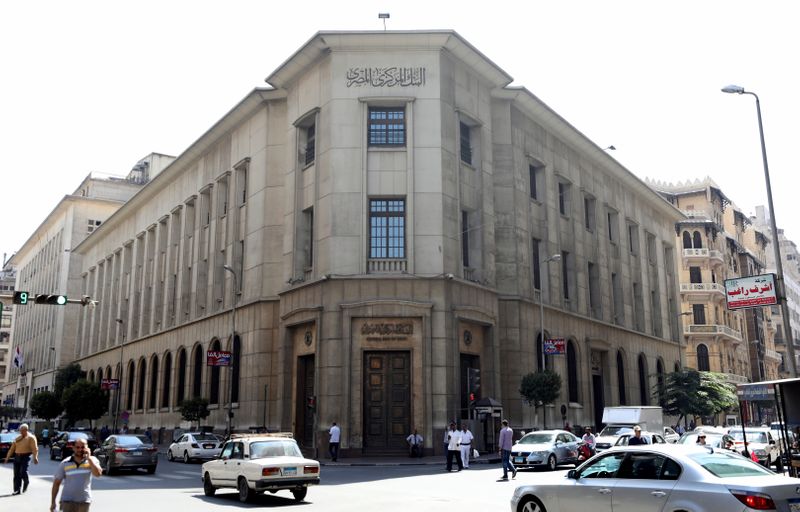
(289, 471)
(208, 446)
(136, 454)
(519, 459)
(794, 505)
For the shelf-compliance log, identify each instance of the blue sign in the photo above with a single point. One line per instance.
(752, 392)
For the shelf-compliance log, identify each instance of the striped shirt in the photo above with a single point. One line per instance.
(76, 480)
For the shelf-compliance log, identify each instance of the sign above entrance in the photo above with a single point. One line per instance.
(218, 358)
(386, 77)
(555, 346)
(750, 292)
(387, 330)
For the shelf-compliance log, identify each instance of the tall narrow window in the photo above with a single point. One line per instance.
(589, 207)
(167, 380)
(702, 358)
(633, 238)
(465, 238)
(572, 371)
(152, 403)
(311, 140)
(213, 395)
(142, 380)
(565, 274)
(387, 219)
(698, 314)
(534, 176)
(563, 198)
(237, 369)
(536, 263)
(697, 240)
(131, 378)
(621, 378)
(694, 275)
(180, 387)
(594, 289)
(638, 307)
(197, 371)
(387, 126)
(644, 391)
(612, 218)
(687, 240)
(660, 385)
(619, 302)
(466, 143)
(308, 238)
(651, 248)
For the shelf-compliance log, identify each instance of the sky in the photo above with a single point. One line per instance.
(94, 86)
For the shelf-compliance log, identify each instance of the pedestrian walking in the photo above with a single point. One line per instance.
(466, 445)
(588, 439)
(76, 474)
(333, 445)
(45, 436)
(414, 441)
(446, 439)
(454, 448)
(505, 442)
(23, 449)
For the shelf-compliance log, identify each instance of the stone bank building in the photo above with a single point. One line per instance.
(381, 217)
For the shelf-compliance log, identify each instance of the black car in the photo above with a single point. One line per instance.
(5, 443)
(61, 446)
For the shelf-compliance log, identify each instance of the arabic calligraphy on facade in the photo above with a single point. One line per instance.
(386, 329)
(386, 77)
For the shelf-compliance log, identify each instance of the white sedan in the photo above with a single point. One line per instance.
(257, 463)
(194, 445)
(662, 477)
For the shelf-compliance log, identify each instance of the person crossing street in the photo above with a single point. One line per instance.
(76, 473)
(454, 448)
(23, 449)
(466, 444)
(505, 442)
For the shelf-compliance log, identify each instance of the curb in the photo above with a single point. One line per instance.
(396, 464)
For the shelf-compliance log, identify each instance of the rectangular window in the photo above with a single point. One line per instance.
(565, 274)
(536, 261)
(694, 275)
(638, 307)
(466, 144)
(619, 303)
(387, 219)
(613, 226)
(308, 215)
(633, 238)
(536, 175)
(465, 238)
(698, 314)
(387, 126)
(222, 197)
(589, 206)
(594, 290)
(651, 248)
(93, 224)
(563, 198)
(311, 139)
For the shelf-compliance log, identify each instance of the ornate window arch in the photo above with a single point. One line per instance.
(697, 240)
(702, 358)
(687, 240)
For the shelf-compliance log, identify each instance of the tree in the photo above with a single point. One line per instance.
(9, 412)
(84, 401)
(693, 393)
(540, 388)
(46, 405)
(194, 409)
(66, 377)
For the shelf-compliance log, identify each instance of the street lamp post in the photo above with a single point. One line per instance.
(228, 268)
(787, 329)
(121, 323)
(555, 257)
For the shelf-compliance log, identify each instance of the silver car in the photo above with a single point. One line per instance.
(127, 452)
(545, 448)
(662, 477)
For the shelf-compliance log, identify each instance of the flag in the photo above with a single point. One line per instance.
(18, 359)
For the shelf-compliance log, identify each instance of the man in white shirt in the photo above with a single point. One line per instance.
(589, 439)
(466, 444)
(414, 444)
(333, 445)
(453, 448)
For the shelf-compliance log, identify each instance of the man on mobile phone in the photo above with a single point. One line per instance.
(76, 472)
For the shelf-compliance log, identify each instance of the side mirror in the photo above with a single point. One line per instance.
(572, 474)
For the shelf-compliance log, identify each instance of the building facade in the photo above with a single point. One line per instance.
(384, 217)
(7, 279)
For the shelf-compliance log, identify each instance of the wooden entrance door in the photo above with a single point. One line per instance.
(304, 418)
(387, 401)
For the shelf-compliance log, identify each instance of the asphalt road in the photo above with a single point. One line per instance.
(177, 486)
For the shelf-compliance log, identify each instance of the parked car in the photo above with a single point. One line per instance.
(5, 442)
(714, 440)
(670, 435)
(256, 463)
(651, 437)
(660, 477)
(195, 445)
(547, 448)
(126, 451)
(609, 436)
(761, 442)
(61, 448)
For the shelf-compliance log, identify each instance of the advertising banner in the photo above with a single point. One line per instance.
(555, 346)
(106, 384)
(751, 291)
(218, 358)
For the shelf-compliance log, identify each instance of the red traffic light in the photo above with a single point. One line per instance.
(472, 397)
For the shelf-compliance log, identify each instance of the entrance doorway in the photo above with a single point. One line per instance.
(304, 415)
(599, 401)
(387, 401)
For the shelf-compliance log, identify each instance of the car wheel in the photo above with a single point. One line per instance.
(186, 459)
(300, 494)
(170, 457)
(208, 489)
(530, 504)
(244, 490)
(552, 463)
(151, 470)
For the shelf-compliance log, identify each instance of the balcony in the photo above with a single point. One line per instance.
(773, 354)
(696, 214)
(713, 330)
(735, 379)
(703, 291)
(702, 255)
(386, 266)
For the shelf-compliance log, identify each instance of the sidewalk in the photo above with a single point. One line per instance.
(433, 460)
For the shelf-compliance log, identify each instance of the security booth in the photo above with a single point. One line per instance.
(785, 393)
(488, 414)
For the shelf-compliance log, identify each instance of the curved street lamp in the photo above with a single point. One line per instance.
(228, 268)
(554, 257)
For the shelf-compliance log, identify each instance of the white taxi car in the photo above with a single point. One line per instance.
(256, 463)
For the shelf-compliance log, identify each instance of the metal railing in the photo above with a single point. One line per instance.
(736, 379)
(702, 287)
(713, 329)
(386, 266)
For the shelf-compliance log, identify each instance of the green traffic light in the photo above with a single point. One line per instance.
(61, 300)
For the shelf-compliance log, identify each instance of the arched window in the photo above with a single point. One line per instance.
(142, 380)
(702, 358)
(167, 379)
(677, 366)
(621, 378)
(644, 395)
(197, 372)
(572, 371)
(91, 376)
(108, 376)
(660, 381)
(99, 375)
(131, 369)
(180, 387)
(213, 394)
(687, 240)
(236, 371)
(153, 384)
(697, 240)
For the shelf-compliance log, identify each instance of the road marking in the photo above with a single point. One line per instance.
(190, 473)
(179, 477)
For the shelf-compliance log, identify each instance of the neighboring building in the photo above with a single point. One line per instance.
(45, 265)
(790, 259)
(387, 209)
(717, 242)
(7, 279)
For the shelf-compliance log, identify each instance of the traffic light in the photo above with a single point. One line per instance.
(21, 298)
(311, 402)
(471, 398)
(57, 300)
(474, 379)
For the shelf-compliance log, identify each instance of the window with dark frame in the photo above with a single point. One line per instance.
(589, 212)
(387, 219)
(563, 198)
(310, 152)
(465, 238)
(387, 126)
(534, 175)
(466, 143)
(698, 314)
(565, 274)
(702, 358)
(536, 263)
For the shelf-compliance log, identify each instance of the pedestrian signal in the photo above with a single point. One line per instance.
(21, 298)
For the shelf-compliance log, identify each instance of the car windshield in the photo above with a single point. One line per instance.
(711, 439)
(729, 465)
(206, 437)
(7, 438)
(615, 431)
(537, 438)
(80, 435)
(752, 437)
(262, 449)
(129, 441)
